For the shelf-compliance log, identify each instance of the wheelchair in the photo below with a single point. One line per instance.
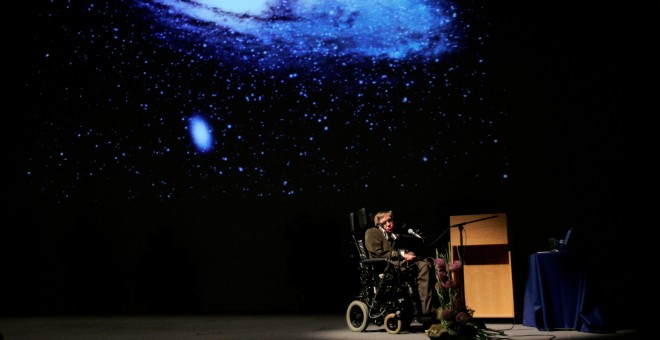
(385, 297)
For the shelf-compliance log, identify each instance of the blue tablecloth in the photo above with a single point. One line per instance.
(556, 295)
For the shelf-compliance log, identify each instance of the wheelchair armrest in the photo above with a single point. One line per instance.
(378, 262)
(374, 261)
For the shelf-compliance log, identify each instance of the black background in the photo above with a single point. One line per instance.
(581, 86)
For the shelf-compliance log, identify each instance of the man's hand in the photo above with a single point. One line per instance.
(409, 257)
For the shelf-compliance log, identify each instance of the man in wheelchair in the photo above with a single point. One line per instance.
(380, 242)
(397, 287)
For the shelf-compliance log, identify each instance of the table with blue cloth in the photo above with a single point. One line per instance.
(556, 295)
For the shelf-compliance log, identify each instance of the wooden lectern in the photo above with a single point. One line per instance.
(481, 241)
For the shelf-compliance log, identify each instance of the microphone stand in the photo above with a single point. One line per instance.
(460, 249)
(468, 222)
(460, 229)
(439, 237)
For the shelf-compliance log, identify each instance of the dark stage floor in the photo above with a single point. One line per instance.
(287, 327)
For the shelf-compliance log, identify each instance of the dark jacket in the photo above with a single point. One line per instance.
(377, 244)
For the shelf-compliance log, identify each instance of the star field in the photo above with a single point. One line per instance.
(175, 157)
(169, 99)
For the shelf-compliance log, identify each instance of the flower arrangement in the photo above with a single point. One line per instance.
(455, 318)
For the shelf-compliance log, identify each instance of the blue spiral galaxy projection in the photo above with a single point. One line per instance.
(161, 100)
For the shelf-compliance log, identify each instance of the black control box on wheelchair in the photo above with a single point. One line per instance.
(385, 296)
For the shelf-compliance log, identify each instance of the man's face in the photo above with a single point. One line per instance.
(387, 223)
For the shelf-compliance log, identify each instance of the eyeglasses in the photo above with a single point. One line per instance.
(389, 220)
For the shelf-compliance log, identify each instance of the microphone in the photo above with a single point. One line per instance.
(412, 232)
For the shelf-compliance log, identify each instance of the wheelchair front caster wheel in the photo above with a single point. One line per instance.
(357, 316)
(393, 323)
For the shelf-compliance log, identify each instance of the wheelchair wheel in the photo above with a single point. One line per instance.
(393, 323)
(357, 316)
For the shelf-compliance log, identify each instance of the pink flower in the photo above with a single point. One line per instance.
(462, 317)
(439, 263)
(443, 277)
(447, 314)
(454, 266)
(448, 284)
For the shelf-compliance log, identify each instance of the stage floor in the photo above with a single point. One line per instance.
(288, 327)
